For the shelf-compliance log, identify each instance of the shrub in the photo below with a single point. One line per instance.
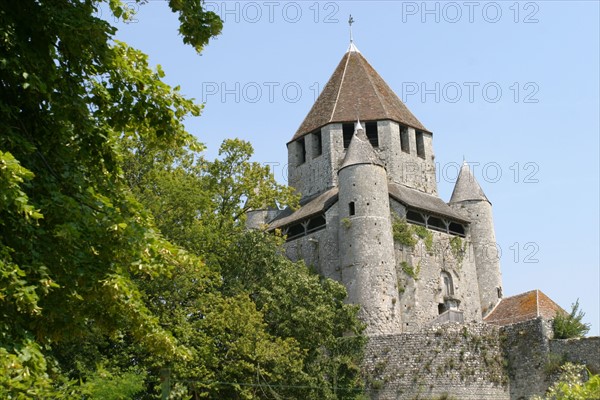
(566, 326)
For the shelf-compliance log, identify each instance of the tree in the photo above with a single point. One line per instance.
(106, 274)
(202, 206)
(566, 326)
(73, 241)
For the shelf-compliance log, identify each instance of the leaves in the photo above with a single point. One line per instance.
(74, 242)
(566, 326)
(123, 252)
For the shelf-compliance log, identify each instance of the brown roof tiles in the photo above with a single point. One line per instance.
(356, 90)
(523, 307)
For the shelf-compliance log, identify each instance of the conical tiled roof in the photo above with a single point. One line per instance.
(360, 150)
(466, 187)
(356, 88)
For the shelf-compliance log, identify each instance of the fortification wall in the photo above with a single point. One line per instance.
(527, 351)
(462, 361)
(319, 249)
(419, 269)
(581, 351)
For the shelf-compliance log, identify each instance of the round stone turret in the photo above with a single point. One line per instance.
(365, 236)
(468, 199)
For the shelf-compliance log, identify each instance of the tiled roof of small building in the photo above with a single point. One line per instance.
(356, 88)
(523, 307)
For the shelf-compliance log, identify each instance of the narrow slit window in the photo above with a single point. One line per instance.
(301, 151)
(317, 143)
(404, 141)
(351, 208)
(371, 130)
(348, 131)
(420, 144)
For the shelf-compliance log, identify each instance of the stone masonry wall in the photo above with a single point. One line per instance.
(527, 350)
(461, 361)
(420, 283)
(581, 351)
(407, 168)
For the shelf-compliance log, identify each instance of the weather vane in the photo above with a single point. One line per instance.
(350, 22)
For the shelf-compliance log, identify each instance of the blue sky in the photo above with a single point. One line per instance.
(511, 86)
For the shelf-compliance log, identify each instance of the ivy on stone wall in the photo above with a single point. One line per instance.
(411, 271)
(403, 232)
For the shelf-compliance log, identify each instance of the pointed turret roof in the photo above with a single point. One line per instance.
(360, 150)
(466, 187)
(355, 87)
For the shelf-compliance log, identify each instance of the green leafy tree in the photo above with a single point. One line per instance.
(94, 300)
(202, 206)
(73, 241)
(566, 326)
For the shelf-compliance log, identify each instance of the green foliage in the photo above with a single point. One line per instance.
(73, 241)
(403, 232)
(107, 385)
(566, 326)
(307, 336)
(570, 385)
(409, 235)
(121, 246)
(346, 223)
(410, 271)
(458, 249)
(426, 235)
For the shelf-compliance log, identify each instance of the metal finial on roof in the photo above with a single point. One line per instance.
(358, 126)
(352, 46)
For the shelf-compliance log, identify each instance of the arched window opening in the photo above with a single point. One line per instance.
(447, 285)
(301, 151)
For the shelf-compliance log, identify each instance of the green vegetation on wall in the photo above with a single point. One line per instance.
(457, 247)
(409, 235)
(413, 272)
(403, 232)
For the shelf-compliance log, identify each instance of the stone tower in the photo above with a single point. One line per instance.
(368, 267)
(370, 216)
(468, 199)
(356, 89)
